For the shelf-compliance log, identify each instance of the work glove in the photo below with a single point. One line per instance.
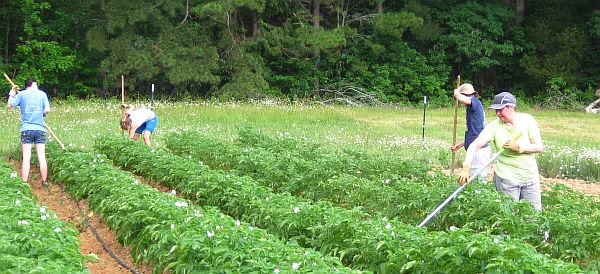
(13, 91)
(512, 145)
(465, 172)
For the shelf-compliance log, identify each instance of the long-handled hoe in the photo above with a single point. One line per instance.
(461, 188)
(457, 191)
(45, 124)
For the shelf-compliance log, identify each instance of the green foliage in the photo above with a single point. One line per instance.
(32, 238)
(394, 24)
(560, 95)
(37, 54)
(476, 35)
(172, 234)
(374, 244)
(558, 54)
(45, 61)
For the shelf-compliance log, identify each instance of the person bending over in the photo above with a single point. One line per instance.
(141, 121)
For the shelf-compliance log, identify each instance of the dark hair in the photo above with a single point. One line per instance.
(29, 82)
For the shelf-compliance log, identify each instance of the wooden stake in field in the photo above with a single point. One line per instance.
(45, 124)
(454, 129)
(122, 99)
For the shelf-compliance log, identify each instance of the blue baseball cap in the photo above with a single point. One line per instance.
(503, 99)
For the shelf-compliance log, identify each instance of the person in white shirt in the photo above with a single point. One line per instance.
(140, 121)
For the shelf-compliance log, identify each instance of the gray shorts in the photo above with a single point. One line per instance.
(528, 191)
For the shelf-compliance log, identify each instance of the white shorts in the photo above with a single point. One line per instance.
(480, 160)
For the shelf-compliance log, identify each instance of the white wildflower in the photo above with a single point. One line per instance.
(295, 266)
(296, 209)
(17, 202)
(388, 226)
(57, 230)
(276, 270)
(210, 233)
(181, 204)
(42, 210)
(546, 235)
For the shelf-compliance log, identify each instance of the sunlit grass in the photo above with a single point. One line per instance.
(570, 141)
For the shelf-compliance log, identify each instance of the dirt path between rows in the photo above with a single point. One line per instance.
(66, 209)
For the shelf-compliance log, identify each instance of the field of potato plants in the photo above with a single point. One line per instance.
(258, 202)
(309, 213)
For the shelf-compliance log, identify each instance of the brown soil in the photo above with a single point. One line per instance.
(66, 209)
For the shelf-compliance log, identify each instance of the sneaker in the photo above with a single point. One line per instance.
(45, 184)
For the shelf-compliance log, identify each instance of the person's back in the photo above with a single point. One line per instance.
(32, 102)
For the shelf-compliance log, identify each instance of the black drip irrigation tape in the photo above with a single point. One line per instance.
(98, 236)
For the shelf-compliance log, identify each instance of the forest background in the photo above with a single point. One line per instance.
(545, 51)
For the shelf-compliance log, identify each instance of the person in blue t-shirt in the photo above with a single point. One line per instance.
(467, 95)
(34, 106)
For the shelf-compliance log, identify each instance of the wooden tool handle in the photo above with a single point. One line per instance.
(8, 79)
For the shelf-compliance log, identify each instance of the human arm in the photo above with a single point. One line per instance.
(465, 172)
(534, 143)
(128, 107)
(11, 94)
(465, 100)
(46, 106)
(457, 146)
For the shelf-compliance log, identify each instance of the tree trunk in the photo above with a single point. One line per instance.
(519, 11)
(254, 23)
(317, 52)
(380, 7)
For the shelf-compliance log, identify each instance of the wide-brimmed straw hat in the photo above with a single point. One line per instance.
(466, 89)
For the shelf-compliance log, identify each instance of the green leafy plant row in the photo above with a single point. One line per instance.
(378, 244)
(32, 238)
(318, 174)
(170, 233)
(480, 208)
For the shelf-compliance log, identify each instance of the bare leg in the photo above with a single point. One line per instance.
(40, 149)
(147, 137)
(26, 164)
(136, 136)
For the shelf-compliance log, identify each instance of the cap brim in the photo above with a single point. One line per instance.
(500, 106)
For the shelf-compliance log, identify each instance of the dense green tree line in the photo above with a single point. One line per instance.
(390, 51)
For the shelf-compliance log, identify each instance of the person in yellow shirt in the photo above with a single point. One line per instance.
(518, 135)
